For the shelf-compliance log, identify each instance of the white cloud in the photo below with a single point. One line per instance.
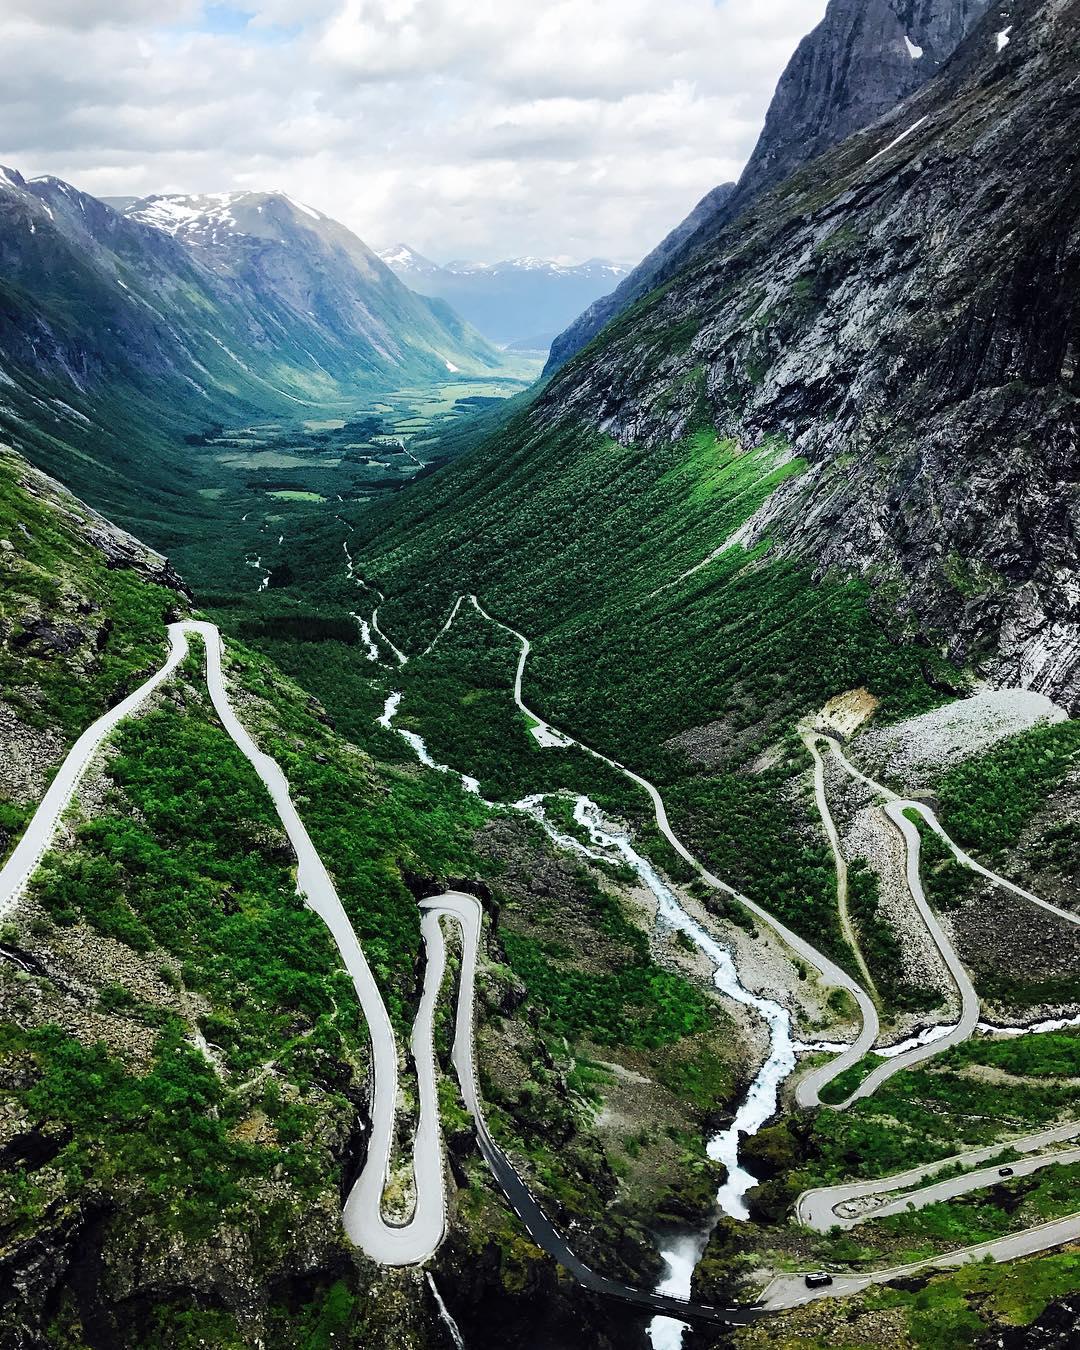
(83, 14)
(465, 127)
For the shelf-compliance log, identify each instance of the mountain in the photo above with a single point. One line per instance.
(516, 302)
(121, 332)
(862, 59)
(408, 264)
(825, 478)
(639, 282)
(795, 540)
(836, 451)
(319, 281)
(184, 1059)
(857, 331)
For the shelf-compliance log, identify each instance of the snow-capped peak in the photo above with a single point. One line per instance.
(212, 217)
(402, 258)
(177, 213)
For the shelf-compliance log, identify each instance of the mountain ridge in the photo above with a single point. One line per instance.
(118, 337)
(859, 62)
(822, 249)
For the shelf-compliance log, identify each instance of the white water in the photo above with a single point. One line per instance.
(257, 564)
(444, 1313)
(760, 1103)
(419, 746)
(681, 1257)
(373, 628)
(370, 649)
(925, 1037)
(1036, 1028)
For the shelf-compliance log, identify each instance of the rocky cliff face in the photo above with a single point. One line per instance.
(905, 313)
(862, 59)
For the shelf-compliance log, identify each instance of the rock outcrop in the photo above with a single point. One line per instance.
(906, 314)
(862, 59)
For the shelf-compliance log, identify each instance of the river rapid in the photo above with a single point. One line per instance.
(608, 843)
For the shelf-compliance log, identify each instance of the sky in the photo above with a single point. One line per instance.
(480, 129)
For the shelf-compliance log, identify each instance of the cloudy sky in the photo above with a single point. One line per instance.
(467, 128)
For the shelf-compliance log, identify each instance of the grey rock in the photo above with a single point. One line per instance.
(851, 70)
(905, 313)
(42, 637)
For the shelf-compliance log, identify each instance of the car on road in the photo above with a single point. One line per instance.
(818, 1279)
(1005, 1172)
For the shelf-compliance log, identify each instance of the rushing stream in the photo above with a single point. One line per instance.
(444, 1314)
(759, 1105)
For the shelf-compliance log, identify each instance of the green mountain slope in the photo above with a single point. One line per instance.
(772, 482)
(182, 1061)
(118, 339)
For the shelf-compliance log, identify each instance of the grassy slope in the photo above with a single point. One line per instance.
(178, 882)
(53, 571)
(568, 536)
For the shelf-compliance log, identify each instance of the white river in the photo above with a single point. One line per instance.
(760, 1102)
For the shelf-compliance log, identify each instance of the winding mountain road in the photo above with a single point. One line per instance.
(790, 1291)
(853, 1203)
(809, 1087)
(388, 1244)
(39, 833)
(810, 741)
(931, 819)
(969, 999)
(415, 1241)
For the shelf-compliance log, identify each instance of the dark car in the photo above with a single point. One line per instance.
(818, 1280)
(1005, 1171)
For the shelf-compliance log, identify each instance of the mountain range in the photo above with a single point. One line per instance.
(518, 303)
(820, 326)
(120, 331)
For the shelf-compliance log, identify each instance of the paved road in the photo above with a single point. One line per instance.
(818, 1208)
(969, 999)
(787, 1292)
(39, 834)
(414, 1242)
(931, 819)
(790, 1291)
(363, 1218)
(895, 808)
(388, 1244)
(467, 913)
(810, 740)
